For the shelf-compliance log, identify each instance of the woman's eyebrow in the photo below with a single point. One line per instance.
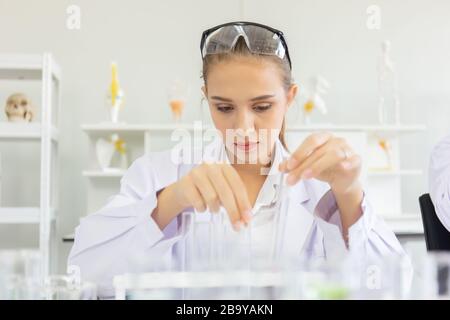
(221, 99)
(267, 96)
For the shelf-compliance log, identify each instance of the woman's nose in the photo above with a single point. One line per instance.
(244, 121)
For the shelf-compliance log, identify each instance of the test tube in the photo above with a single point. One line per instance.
(281, 207)
(247, 235)
(188, 230)
(217, 237)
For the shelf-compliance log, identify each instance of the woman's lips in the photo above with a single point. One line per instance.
(248, 146)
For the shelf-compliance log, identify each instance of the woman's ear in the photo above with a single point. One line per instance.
(292, 93)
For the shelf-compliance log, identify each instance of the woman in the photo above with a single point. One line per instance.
(248, 85)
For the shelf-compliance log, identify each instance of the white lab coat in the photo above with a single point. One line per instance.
(110, 241)
(440, 180)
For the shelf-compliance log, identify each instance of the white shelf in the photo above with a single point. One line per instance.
(405, 223)
(364, 128)
(108, 127)
(103, 174)
(124, 127)
(19, 215)
(393, 173)
(25, 67)
(11, 130)
(22, 215)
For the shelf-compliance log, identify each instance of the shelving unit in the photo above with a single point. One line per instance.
(22, 215)
(19, 215)
(20, 131)
(400, 222)
(139, 128)
(395, 173)
(102, 174)
(393, 129)
(404, 224)
(125, 127)
(43, 68)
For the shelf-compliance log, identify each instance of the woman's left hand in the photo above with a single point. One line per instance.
(327, 158)
(330, 159)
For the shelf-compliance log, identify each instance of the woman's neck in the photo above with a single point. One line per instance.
(253, 175)
(253, 178)
(251, 169)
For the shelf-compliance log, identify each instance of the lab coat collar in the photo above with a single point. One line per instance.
(268, 192)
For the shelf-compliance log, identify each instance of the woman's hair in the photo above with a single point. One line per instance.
(241, 50)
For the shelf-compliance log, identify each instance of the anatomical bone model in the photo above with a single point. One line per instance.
(19, 108)
(107, 148)
(115, 95)
(388, 98)
(318, 86)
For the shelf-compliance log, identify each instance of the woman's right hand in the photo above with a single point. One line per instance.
(212, 185)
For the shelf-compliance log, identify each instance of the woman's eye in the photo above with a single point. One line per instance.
(225, 109)
(262, 108)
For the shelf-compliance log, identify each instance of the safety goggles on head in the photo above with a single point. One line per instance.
(260, 39)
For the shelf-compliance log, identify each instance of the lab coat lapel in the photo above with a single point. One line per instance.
(298, 223)
(298, 220)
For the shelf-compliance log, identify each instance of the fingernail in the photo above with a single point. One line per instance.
(347, 165)
(290, 179)
(247, 215)
(202, 210)
(307, 174)
(215, 210)
(292, 163)
(237, 225)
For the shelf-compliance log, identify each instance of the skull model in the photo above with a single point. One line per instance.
(19, 108)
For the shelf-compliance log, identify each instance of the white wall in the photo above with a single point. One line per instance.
(155, 41)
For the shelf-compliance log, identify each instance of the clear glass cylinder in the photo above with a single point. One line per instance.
(61, 287)
(436, 276)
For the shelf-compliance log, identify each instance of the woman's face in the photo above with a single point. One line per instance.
(248, 103)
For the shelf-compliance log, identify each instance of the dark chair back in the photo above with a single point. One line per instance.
(437, 237)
